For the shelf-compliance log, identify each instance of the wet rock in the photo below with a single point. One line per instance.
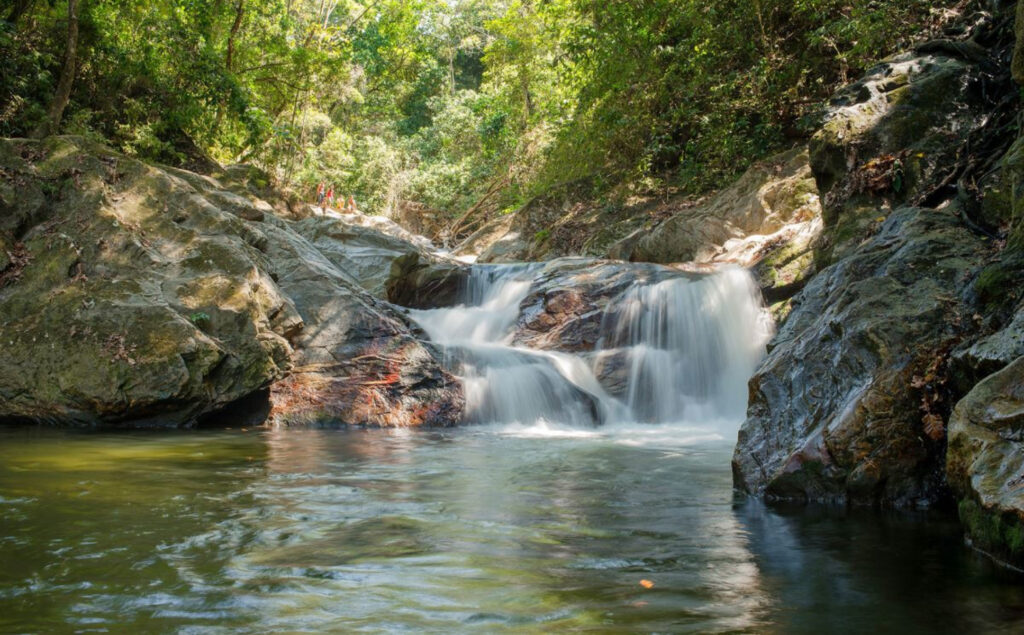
(833, 412)
(985, 463)
(980, 358)
(612, 369)
(568, 302)
(149, 297)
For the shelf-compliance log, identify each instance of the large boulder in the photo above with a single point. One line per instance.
(835, 410)
(420, 282)
(139, 296)
(850, 404)
(985, 463)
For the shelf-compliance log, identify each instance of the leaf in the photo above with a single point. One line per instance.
(934, 427)
(647, 584)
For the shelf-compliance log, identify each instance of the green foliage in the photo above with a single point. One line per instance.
(200, 319)
(704, 89)
(437, 100)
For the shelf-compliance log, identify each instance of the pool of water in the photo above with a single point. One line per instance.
(482, 529)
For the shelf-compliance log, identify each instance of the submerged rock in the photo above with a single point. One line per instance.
(140, 296)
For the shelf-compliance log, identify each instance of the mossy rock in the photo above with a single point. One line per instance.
(914, 109)
(985, 461)
(149, 296)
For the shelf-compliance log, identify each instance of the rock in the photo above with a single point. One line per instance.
(509, 247)
(1002, 203)
(424, 283)
(985, 463)
(768, 197)
(489, 234)
(990, 354)
(833, 413)
(568, 220)
(888, 138)
(365, 255)
(149, 297)
(612, 369)
(569, 299)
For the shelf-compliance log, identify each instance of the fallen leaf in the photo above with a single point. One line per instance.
(647, 584)
(934, 427)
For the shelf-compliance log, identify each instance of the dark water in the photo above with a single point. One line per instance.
(476, 530)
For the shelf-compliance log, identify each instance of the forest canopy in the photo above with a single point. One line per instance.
(439, 103)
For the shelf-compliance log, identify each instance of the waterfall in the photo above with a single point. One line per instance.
(679, 348)
(690, 346)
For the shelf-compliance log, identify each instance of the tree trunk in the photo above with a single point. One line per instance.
(67, 76)
(239, 14)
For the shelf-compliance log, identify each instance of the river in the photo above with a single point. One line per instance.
(482, 529)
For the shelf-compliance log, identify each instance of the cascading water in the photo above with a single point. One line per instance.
(689, 345)
(684, 347)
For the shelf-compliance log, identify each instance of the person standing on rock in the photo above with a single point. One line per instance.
(350, 206)
(330, 196)
(320, 194)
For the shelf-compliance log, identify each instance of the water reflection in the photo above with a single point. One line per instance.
(476, 530)
(839, 571)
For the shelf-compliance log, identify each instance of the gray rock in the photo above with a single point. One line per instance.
(833, 413)
(775, 193)
(888, 138)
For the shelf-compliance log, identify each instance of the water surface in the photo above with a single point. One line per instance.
(485, 529)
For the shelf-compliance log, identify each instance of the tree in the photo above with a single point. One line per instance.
(67, 75)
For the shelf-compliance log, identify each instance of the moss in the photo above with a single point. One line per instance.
(1002, 535)
(995, 286)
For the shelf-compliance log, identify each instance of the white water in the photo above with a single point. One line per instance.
(684, 349)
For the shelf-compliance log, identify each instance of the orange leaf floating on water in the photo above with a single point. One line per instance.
(647, 584)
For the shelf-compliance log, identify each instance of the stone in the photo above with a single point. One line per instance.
(888, 138)
(771, 195)
(152, 297)
(418, 282)
(985, 463)
(834, 415)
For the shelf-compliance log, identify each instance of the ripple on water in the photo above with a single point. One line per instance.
(476, 530)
